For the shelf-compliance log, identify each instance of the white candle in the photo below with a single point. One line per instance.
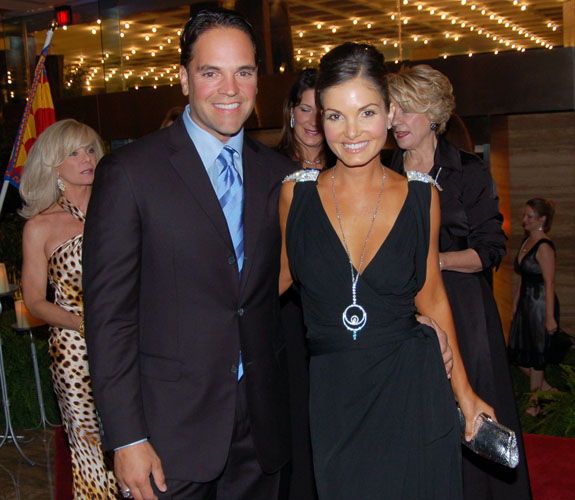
(4, 285)
(23, 318)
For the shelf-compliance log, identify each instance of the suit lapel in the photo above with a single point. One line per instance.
(188, 164)
(255, 198)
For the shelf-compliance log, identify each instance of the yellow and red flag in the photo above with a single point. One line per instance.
(38, 115)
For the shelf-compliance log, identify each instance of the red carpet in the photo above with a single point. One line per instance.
(551, 466)
(62, 466)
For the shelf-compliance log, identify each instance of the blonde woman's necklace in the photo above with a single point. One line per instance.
(354, 316)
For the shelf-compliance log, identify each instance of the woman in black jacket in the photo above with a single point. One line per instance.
(471, 242)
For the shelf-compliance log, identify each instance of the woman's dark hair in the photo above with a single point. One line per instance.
(543, 208)
(171, 116)
(288, 145)
(348, 61)
(206, 20)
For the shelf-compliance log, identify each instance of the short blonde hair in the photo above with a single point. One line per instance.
(422, 89)
(39, 186)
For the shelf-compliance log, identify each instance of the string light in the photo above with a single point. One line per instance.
(502, 38)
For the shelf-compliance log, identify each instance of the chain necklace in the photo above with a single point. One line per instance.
(314, 162)
(354, 316)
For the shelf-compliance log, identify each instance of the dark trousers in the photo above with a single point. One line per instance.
(242, 477)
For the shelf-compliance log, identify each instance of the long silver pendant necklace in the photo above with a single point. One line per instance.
(354, 316)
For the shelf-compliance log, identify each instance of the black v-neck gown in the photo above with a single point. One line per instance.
(528, 338)
(382, 412)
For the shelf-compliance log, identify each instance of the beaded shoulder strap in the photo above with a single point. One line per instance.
(71, 209)
(304, 175)
(414, 175)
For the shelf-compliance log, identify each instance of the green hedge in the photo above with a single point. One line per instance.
(557, 417)
(24, 408)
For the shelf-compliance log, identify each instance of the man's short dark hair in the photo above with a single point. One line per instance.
(206, 20)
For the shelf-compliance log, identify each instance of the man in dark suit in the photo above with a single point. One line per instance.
(181, 263)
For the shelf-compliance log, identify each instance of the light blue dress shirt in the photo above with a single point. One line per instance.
(209, 148)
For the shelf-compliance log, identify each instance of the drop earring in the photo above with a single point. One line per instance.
(434, 126)
(291, 122)
(61, 185)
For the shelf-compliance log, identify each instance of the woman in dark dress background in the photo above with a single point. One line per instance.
(471, 241)
(303, 142)
(535, 305)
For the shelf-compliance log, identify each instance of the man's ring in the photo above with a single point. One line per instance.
(126, 493)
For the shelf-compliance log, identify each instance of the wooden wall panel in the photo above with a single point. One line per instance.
(541, 151)
(499, 159)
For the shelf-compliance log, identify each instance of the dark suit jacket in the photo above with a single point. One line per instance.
(167, 315)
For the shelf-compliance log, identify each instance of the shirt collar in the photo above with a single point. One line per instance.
(209, 146)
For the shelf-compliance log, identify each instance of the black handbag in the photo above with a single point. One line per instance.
(558, 346)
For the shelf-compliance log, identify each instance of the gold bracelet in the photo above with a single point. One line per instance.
(81, 329)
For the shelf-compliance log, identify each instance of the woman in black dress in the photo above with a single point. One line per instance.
(362, 245)
(535, 305)
(303, 142)
(470, 241)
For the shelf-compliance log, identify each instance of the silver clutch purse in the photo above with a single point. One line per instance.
(492, 440)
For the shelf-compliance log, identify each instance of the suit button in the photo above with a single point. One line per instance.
(234, 369)
(241, 311)
(231, 260)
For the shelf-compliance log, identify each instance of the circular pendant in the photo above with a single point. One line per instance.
(354, 318)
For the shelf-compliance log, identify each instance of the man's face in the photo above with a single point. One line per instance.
(221, 81)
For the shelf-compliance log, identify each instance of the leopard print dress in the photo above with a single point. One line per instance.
(70, 374)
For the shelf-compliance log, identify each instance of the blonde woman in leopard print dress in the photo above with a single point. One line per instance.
(56, 185)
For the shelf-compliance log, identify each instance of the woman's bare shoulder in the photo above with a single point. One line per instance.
(45, 222)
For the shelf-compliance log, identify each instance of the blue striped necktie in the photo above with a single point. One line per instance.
(231, 198)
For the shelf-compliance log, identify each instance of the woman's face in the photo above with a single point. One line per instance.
(78, 168)
(305, 121)
(531, 221)
(411, 130)
(355, 121)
